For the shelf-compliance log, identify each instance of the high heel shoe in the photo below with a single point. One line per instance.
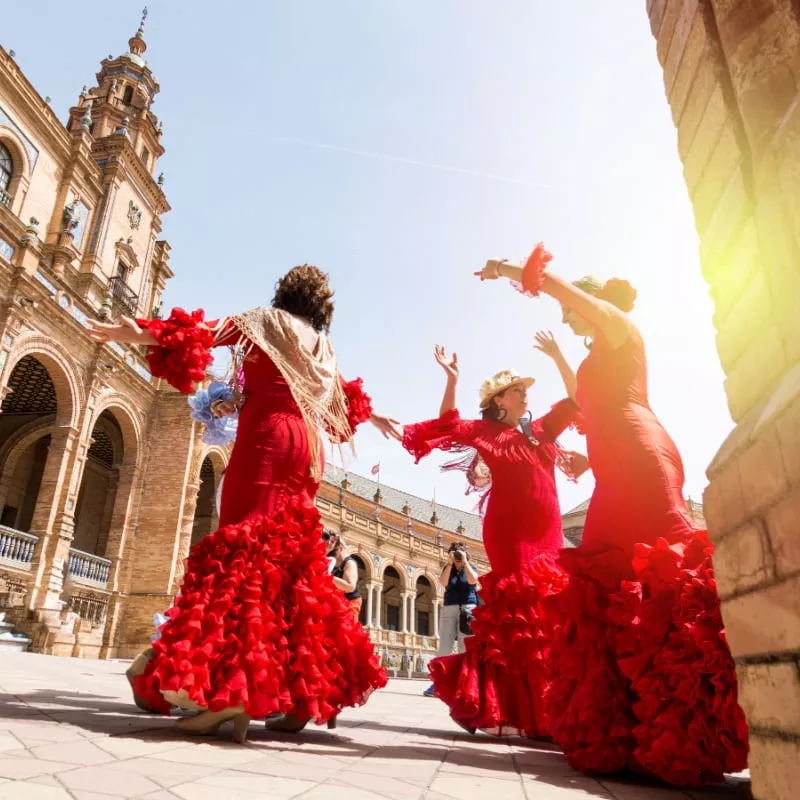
(134, 670)
(208, 722)
(332, 723)
(286, 724)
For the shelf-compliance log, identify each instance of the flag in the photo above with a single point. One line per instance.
(376, 469)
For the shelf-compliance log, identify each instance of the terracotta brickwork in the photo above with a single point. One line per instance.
(732, 77)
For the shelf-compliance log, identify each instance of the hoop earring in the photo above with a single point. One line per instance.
(587, 342)
(501, 413)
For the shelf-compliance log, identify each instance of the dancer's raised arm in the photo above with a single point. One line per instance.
(450, 367)
(546, 343)
(603, 314)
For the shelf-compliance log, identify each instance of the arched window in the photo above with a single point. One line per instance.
(6, 168)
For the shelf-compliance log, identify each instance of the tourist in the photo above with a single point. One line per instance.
(258, 627)
(642, 674)
(498, 683)
(460, 581)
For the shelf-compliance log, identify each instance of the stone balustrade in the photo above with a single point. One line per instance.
(88, 568)
(17, 547)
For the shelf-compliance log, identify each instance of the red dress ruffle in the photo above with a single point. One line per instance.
(359, 406)
(645, 680)
(497, 685)
(533, 271)
(259, 624)
(182, 354)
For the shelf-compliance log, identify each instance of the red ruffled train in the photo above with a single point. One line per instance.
(497, 685)
(642, 674)
(259, 624)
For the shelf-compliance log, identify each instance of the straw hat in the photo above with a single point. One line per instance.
(500, 382)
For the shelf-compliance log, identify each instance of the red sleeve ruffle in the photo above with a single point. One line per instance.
(564, 414)
(423, 438)
(182, 353)
(533, 272)
(359, 405)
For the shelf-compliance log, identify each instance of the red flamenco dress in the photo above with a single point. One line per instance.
(258, 623)
(497, 685)
(642, 676)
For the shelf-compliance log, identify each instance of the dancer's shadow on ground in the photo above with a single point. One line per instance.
(114, 717)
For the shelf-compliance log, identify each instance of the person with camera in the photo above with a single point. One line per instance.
(460, 581)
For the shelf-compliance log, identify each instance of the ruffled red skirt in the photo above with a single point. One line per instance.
(498, 683)
(259, 624)
(642, 676)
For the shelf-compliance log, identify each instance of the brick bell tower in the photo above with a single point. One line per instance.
(124, 266)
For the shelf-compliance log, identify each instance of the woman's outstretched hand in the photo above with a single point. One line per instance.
(546, 343)
(125, 331)
(223, 408)
(388, 426)
(491, 272)
(572, 464)
(449, 365)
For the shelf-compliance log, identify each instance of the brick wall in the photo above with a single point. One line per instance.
(155, 554)
(731, 73)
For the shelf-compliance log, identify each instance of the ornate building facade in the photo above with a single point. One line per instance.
(104, 482)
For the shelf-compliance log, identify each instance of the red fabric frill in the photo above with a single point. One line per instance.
(498, 684)
(422, 438)
(643, 677)
(690, 728)
(259, 624)
(533, 271)
(182, 354)
(359, 406)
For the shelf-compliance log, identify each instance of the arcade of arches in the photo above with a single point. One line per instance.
(126, 534)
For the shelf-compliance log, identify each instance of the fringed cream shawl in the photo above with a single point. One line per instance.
(312, 375)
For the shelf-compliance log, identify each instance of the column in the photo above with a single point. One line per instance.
(435, 609)
(404, 612)
(378, 603)
(412, 612)
(118, 549)
(53, 522)
(370, 590)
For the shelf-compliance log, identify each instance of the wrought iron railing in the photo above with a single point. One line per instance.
(88, 568)
(17, 547)
(124, 295)
(5, 199)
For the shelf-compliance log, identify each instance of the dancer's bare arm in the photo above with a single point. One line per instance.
(547, 344)
(450, 367)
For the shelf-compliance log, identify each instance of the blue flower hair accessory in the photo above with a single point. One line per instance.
(218, 430)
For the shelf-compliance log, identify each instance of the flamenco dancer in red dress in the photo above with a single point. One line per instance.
(642, 675)
(258, 627)
(497, 685)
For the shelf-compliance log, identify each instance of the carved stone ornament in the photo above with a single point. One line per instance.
(134, 215)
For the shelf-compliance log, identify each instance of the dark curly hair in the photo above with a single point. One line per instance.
(492, 411)
(304, 292)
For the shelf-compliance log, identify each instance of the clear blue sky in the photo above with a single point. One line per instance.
(399, 145)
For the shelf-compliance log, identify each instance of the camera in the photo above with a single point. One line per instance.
(458, 555)
(328, 536)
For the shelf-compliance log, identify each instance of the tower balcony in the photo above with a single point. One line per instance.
(124, 296)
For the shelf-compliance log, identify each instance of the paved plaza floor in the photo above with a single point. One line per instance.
(68, 729)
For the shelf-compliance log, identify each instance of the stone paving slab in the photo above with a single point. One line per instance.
(69, 731)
